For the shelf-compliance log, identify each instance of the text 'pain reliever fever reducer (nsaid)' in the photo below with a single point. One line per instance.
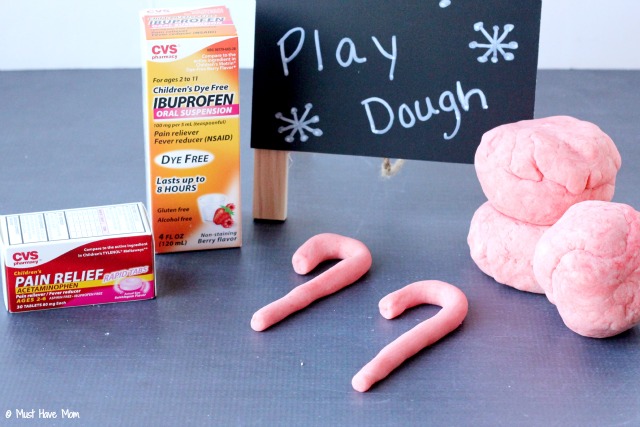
(192, 128)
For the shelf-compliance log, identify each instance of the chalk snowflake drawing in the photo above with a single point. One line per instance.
(444, 3)
(495, 44)
(299, 125)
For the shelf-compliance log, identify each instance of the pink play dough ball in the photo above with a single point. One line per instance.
(503, 247)
(534, 170)
(588, 265)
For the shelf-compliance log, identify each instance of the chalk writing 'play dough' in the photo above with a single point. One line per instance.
(424, 80)
(407, 118)
(346, 51)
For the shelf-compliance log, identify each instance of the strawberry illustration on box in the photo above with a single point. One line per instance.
(224, 215)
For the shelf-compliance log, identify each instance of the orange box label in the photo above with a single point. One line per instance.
(192, 128)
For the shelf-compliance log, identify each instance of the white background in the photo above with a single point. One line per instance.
(68, 34)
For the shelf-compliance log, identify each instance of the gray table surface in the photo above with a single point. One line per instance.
(75, 139)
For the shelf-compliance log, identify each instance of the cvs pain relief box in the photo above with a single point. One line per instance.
(192, 128)
(76, 257)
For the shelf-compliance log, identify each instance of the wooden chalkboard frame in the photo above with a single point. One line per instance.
(416, 79)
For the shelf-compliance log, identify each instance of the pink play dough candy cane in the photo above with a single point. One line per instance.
(454, 309)
(356, 261)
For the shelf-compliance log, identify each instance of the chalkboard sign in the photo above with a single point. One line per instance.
(421, 79)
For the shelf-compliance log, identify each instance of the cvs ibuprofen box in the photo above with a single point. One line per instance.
(192, 128)
(76, 257)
